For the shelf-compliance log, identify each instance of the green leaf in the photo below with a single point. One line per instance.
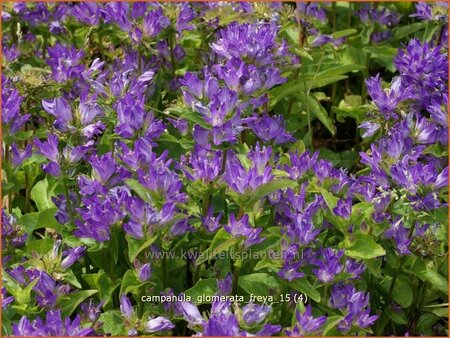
(319, 112)
(46, 219)
(70, 302)
(336, 70)
(40, 246)
(136, 246)
(431, 29)
(324, 80)
(259, 284)
(429, 275)
(270, 264)
(129, 281)
(331, 325)
(70, 277)
(364, 247)
(101, 282)
(222, 241)
(403, 292)
(374, 267)
(41, 196)
(329, 198)
(112, 322)
(403, 31)
(384, 54)
(343, 33)
(142, 192)
(204, 287)
(398, 316)
(23, 296)
(29, 221)
(302, 285)
(268, 188)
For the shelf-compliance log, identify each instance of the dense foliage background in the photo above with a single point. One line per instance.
(297, 151)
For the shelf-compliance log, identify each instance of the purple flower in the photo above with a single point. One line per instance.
(425, 69)
(358, 312)
(132, 118)
(271, 128)
(103, 167)
(154, 22)
(211, 222)
(73, 255)
(321, 40)
(253, 42)
(190, 313)
(117, 12)
(60, 109)
(10, 53)
(432, 11)
(268, 330)
(243, 181)
(18, 155)
(387, 101)
(289, 271)
(329, 266)
(65, 62)
(354, 268)
(340, 294)
(11, 231)
(11, 101)
(202, 164)
(54, 325)
(49, 148)
(370, 128)
(6, 300)
(144, 218)
(90, 311)
(343, 208)
(158, 324)
(401, 236)
(126, 308)
(87, 12)
(254, 313)
(300, 164)
(222, 322)
(383, 16)
(143, 271)
(312, 10)
(47, 290)
(306, 323)
(187, 14)
(224, 286)
(241, 228)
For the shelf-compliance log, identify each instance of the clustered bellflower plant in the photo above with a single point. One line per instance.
(224, 169)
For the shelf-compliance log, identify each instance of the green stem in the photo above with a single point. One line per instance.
(67, 195)
(235, 279)
(394, 279)
(14, 32)
(365, 76)
(27, 193)
(333, 16)
(164, 271)
(139, 60)
(206, 202)
(44, 45)
(334, 87)
(7, 161)
(172, 54)
(300, 28)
